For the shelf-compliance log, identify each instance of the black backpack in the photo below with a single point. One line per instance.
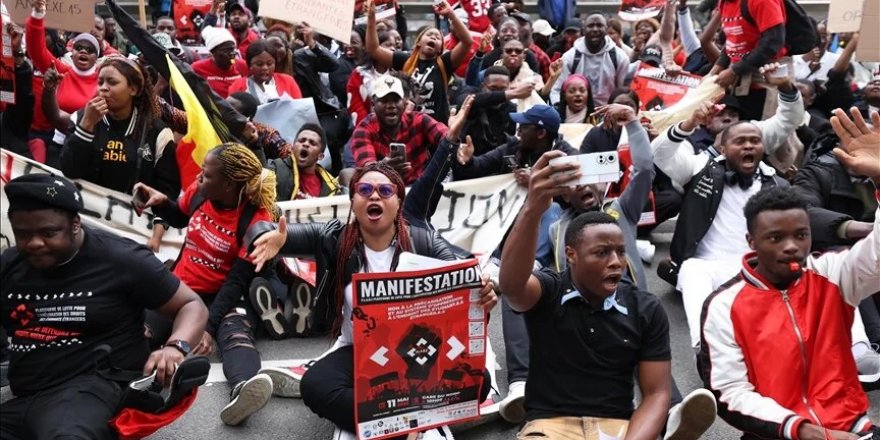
(800, 31)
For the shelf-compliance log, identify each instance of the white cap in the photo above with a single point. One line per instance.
(215, 36)
(387, 84)
(542, 27)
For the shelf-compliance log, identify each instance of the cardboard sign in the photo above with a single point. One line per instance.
(384, 9)
(869, 33)
(635, 10)
(188, 18)
(332, 18)
(7, 62)
(845, 15)
(419, 348)
(66, 15)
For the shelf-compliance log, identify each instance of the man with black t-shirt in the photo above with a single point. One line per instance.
(589, 331)
(67, 289)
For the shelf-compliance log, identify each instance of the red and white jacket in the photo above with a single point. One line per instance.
(777, 358)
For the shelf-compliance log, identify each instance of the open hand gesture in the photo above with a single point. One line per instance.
(267, 246)
(859, 149)
(457, 119)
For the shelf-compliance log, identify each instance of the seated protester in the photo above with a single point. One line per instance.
(232, 194)
(604, 137)
(521, 73)
(537, 134)
(575, 384)
(76, 88)
(775, 349)
(263, 81)
(838, 90)
(525, 35)
(350, 56)
(167, 26)
(390, 123)
(298, 176)
(223, 68)
(58, 393)
(871, 96)
(567, 38)
(428, 65)
(815, 123)
(814, 65)
(449, 41)
(488, 124)
(576, 105)
(97, 31)
(359, 86)
(377, 234)
(596, 57)
(118, 139)
(508, 29)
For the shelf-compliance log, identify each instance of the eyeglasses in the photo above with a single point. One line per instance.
(87, 48)
(386, 190)
(513, 51)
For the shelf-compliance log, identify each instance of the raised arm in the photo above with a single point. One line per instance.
(674, 155)
(59, 119)
(382, 56)
(689, 38)
(35, 40)
(522, 289)
(461, 32)
(845, 58)
(789, 114)
(634, 197)
(707, 38)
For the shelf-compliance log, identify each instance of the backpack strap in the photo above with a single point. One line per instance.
(194, 203)
(614, 61)
(250, 210)
(746, 14)
(577, 62)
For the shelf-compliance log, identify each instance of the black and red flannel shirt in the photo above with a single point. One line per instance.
(420, 133)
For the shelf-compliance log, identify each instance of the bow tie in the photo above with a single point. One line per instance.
(743, 180)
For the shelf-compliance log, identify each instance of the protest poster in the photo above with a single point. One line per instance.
(419, 348)
(67, 15)
(332, 18)
(657, 90)
(384, 9)
(7, 62)
(869, 33)
(288, 115)
(635, 10)
(845, 15)
(472, 214)
(188, 18)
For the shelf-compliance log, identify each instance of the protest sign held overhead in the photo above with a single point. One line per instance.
(658, 90)
(384, 9)
(67, 15)
(419, 348)
(332, 18)
(869, 33)
(845, 15)
(635, 10)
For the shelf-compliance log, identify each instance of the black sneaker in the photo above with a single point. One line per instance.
(264, 302)
(247, 398)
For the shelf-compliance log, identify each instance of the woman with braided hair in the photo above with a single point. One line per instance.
(220, 211)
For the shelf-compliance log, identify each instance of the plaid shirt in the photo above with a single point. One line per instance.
(420, 134)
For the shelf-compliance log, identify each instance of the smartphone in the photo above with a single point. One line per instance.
(594, 167)
(398, 150)
(139, 201)
(781, 72)
(510, 161)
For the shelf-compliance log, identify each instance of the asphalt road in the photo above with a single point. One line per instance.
(290, 419)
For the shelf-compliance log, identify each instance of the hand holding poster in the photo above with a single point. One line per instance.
(67, 15)
(635, 10)
(332, 18)
(657, 90)
(419, 349)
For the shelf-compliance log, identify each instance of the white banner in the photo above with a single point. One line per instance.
(472, 214)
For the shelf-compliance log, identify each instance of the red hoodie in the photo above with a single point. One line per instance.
(76, 88)
(220, 80)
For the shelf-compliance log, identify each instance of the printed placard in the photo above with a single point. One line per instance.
(332, 18)
(68, 15)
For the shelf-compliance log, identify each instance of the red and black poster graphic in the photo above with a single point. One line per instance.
(7, 62)
(635, 10)
(188, 17)
(419, 349)
(657, 90)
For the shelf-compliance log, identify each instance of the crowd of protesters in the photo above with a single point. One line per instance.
(772, 184)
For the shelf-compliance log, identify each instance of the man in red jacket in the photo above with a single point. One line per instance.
(776, 342)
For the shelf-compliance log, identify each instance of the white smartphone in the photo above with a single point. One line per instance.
(595, 167)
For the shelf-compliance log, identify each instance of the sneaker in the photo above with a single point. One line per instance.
(264, 302)
(247, 398)
(868, 365)
(646, 250)
(692, 417)
(285, 380)
(339, 434)
(511, 408)
(301, 308)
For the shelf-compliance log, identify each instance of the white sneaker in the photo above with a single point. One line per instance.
(868, 365)
(646, 250)
(692, 417)
(339, 434)
(512, 408)
(247, 398)
(285, 380)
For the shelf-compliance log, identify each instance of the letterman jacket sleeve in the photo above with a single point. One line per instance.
(856, 272)
(79, 155)
(674, 155)
(722, 367)
(789, 115)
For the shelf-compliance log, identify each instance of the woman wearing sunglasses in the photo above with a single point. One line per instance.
(77, 86)
(378, 231)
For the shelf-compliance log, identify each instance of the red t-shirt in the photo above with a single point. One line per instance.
(742, 37)
(210, 247)
(220, 80)
(478, 14)
(309, 184)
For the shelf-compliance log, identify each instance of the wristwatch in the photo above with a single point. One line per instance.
(179, 344)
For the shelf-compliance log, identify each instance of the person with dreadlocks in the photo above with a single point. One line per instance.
(220, 211)
(427, 64)
(118, 139)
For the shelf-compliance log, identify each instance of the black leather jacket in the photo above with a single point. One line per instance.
(321, 242)
(307, 66)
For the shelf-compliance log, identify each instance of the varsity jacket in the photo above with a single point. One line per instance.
(778, 358)
(287, 179)
(703, 182)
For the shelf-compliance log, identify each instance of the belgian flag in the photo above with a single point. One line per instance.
(210, 120)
